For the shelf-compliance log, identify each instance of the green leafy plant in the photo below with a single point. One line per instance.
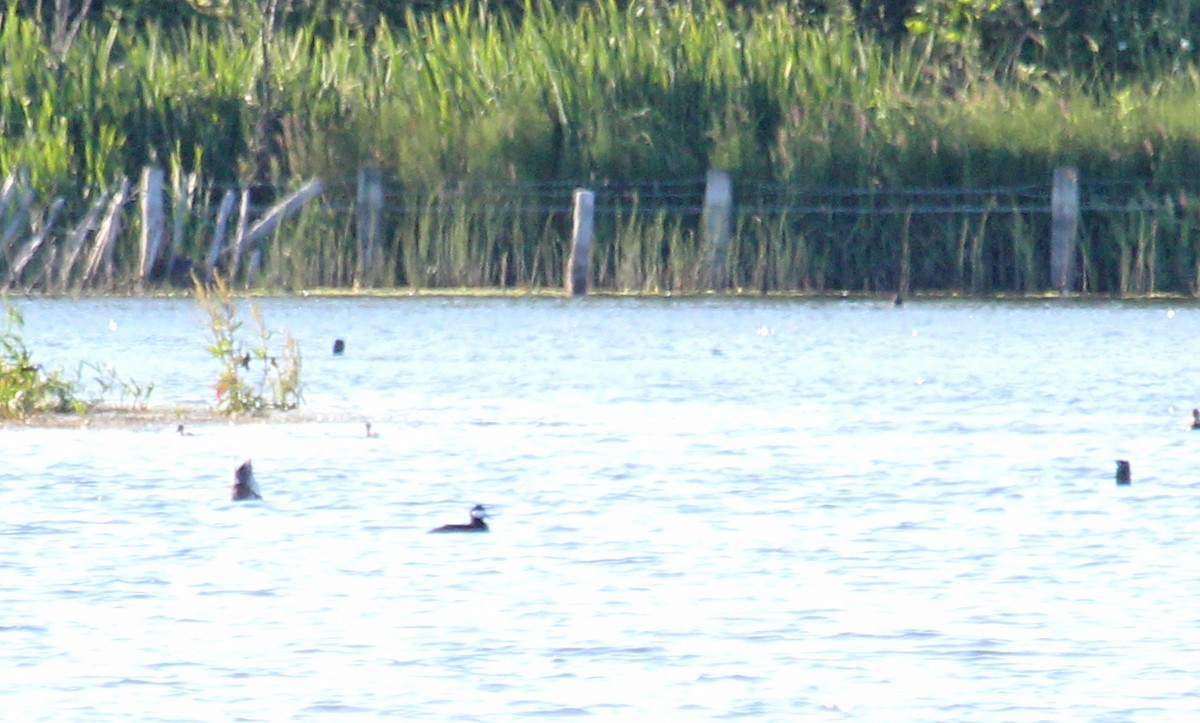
(251, 380)
(26, 387)
(131, 393)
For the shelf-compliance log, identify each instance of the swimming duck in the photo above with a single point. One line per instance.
(1124, 472)
(478, 512)
(244, 486)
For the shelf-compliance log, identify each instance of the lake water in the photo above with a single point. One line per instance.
(768, 509)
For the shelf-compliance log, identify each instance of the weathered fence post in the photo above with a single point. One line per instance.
(716, 220)
(185, 186)
(1064, 228)
(289, 206)
(104, 241)
(32, 245)
(581, 242)
(239, 237)
(153, 223)
(20, 220)
(16, 191)
(74, 242)
(214, 252)
(369, 223)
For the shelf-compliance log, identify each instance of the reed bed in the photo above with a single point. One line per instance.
(473, 116)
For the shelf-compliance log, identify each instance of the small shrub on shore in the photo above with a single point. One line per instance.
(25, 387)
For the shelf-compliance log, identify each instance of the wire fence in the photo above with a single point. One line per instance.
(1139, 234)
(685, 196)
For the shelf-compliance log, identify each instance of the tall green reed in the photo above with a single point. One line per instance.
(613, 91)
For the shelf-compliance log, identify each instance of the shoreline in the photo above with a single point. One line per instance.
(551, 293)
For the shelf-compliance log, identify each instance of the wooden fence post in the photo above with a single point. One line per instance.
(717, 222)
(218, 240)
(32, 245)
(286, 208)
(184, 190)
(239, 237)
(151, 198)
(1064, 228)
(104, 241)
(74, 242)
(581, 242)
(18, 222)
(368, 225)
(18, 196)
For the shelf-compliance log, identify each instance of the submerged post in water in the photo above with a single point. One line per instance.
(1064, 228)
(581, 242)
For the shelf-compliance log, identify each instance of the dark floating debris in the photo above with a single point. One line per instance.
(244, 486)
(1124, 474)
(339, 347)
(478, 512)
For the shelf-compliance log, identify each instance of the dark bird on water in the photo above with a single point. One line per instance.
(478, 512)
(1124, 473)
(244, 486)
(1196, 419)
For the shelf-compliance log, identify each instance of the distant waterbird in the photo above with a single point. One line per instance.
(478, 513)
(244, 485)
(339, 347)
(1196, 419)
(1124, 473)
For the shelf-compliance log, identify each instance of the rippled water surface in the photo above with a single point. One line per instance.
(706, 509)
